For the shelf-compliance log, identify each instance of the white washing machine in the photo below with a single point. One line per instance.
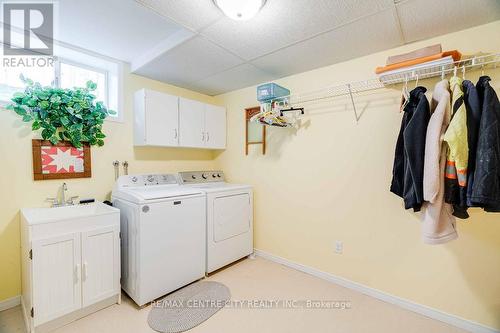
(229, 217)
(163, 226)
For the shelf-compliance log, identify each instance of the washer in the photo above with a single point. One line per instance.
(229, 217)
(163, 228)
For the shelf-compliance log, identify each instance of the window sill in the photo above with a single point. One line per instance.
(3, 104)
(118, 119)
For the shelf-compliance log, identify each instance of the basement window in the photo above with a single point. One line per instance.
(71, 68)
(76, 75)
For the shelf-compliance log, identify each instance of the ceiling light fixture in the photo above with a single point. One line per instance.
(240, 10)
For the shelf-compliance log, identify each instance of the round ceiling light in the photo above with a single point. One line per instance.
(240, 9)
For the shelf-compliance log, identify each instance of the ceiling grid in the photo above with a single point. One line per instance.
(192, 44)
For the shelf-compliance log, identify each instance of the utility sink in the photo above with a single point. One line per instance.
(70, 263)
(57, 214)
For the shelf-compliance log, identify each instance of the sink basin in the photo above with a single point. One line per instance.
(56, 214)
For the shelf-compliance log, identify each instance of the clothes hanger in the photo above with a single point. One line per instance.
(405, 95)
(463, 72)
(455, 68)
(416, 81)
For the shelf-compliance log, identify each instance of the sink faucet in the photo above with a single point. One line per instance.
(63, 193)
(63, 201)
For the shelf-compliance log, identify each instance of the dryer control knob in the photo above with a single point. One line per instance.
(218, 175)
(214, 175)
(134, 179)
(204, 176)
(193, 176)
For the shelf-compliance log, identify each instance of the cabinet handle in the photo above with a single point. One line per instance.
(85, 271)
(208, 136)
(202, 136)
(77, 273)
(175, 133)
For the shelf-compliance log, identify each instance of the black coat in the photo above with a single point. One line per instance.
(486, 186)
(408, 170)
(473, 107)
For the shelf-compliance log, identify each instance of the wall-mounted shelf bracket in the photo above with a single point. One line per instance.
(352, 101)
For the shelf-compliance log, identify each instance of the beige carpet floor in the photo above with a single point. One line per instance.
(260, 279)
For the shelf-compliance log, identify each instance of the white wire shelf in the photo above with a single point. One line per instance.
(423, 71)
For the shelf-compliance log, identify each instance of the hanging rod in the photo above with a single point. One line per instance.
(291, 110)
(383, 81)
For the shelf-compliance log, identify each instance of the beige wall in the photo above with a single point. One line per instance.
(329, 180)
(17, 188)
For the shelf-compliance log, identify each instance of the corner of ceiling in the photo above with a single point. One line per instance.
(172, 41)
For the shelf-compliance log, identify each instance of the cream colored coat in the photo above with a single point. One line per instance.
(438, 225)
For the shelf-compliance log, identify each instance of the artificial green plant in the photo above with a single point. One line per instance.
(62, 114)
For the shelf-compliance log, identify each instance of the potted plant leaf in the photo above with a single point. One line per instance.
(62, 114)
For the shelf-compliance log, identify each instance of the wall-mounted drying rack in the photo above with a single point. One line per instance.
(423, 71)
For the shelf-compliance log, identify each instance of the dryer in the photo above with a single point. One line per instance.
(229, 217)
(163, 228)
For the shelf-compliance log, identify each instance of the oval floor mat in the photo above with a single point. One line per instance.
(188, 307)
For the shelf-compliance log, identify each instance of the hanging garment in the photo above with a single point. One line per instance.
(408, 170)
(473, 108)
(438, 222)
(458, 153)
(486, 187)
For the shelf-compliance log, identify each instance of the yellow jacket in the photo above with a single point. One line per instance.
(456, 136)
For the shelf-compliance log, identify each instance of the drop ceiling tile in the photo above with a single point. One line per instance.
(242, 76)
(282, 22)
(89, 25)
(193, 14)
(191, 61)
(422, 19)
(369, 35)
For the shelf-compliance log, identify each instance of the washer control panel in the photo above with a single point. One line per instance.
(193, 177)
(148, 180)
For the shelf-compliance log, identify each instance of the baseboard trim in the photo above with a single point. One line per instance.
(10, 303)
(427, 311)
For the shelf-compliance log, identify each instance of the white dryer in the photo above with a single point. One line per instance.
(163, 234)
(229, 217)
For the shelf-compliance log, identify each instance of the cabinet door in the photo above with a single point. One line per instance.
(100, 264)
(162, 119)
(215, 126)
(56, 277)
(191, 123)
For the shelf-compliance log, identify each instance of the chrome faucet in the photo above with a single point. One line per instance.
(62, 202)
(63, 193)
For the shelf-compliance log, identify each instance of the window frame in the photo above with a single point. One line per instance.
(57, 82)
(57, 73)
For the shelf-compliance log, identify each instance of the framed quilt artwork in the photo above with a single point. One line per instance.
(60, 161)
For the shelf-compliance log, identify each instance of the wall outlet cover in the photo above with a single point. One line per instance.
(339, 247)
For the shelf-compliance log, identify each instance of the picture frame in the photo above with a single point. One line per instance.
(60, 161)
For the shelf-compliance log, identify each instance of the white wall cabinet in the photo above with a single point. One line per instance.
(169, 121)
(215, 126)
(70, 268)
(191, 123)
(201, 125)
(156, 119)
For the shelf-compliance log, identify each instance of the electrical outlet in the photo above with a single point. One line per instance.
(339, 247)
